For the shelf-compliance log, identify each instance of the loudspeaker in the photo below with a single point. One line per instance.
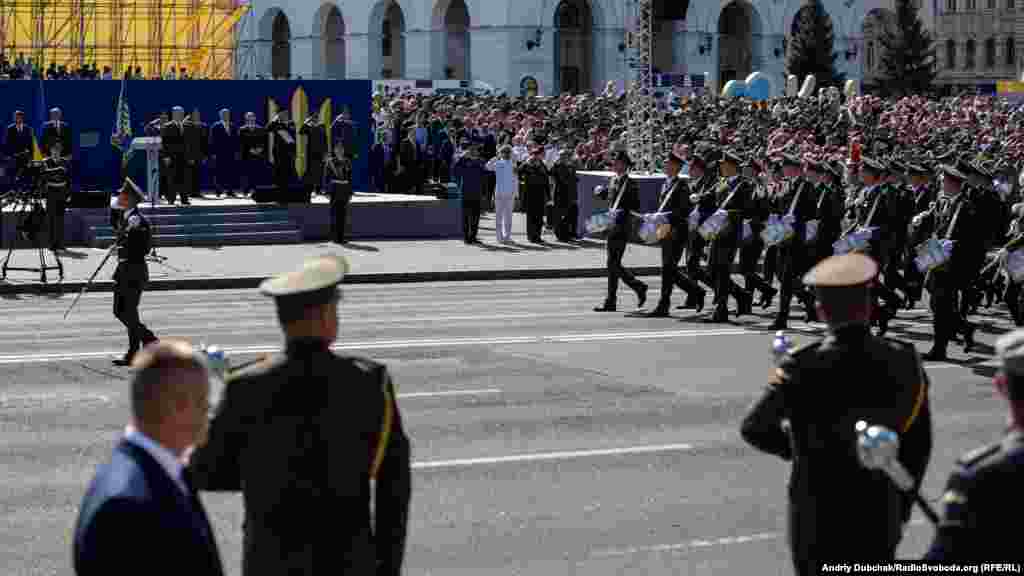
(90, 199)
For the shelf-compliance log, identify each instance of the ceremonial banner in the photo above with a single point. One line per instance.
(300, 111)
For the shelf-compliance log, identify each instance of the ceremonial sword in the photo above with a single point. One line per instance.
(91, 278)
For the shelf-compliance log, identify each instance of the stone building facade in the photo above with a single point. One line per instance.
(977, 43)
(564, 45)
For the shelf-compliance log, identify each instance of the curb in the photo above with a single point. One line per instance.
(252, 282)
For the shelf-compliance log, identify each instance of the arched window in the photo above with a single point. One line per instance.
(990, 4)
(951, 5)
(969, 52)
(869, 58)
(990, 53)
(971, 6)
(1011, 52)
(950, 54)
(385, 39)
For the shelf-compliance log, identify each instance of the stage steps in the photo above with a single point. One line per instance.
(207, 226)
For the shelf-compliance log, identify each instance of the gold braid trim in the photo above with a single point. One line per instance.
(385, 433)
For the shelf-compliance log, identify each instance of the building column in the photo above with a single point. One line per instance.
(357, 56)
(713, 66)
(302, 52)
(679, 44)
(420, 55)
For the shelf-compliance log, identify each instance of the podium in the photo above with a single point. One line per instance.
(151, 144)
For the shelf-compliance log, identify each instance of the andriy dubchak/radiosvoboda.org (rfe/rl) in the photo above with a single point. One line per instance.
(922, 568)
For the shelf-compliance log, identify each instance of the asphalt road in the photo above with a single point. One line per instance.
(548, 439)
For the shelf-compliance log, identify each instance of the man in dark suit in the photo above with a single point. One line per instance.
(141, 503)
(302, 434)
(253, 141)
(19, 143)
(197, 141)
(56, 130)
(172, 151)
(224, 151)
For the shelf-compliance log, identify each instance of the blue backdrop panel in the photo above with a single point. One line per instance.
(89, 106)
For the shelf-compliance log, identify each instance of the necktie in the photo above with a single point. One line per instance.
(227, 128)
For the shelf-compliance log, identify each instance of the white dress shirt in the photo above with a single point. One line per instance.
(506, 183)
(171, 464)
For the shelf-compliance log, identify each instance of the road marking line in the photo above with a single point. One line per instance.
(408, 344)
(687, 545)
(447, 393)
(549, 456)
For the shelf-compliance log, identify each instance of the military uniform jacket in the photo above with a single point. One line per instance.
(253, 140)
(829, 213)
(822, 390)
(626, 188)
(298, 435)
(135, 240)
(981, 495)
(281, 133)
(797, 198)
(534, 177)
(316, 143)
(172, 140)
(679, 204)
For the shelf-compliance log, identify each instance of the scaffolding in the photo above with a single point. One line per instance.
(644, 134)
(156, 36)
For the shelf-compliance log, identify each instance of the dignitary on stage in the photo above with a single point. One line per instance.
(56, 129)
(253, 141)
(282, 134)
(175, 157)
(316, 154)
(224, 152)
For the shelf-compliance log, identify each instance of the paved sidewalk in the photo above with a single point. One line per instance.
(386, 261)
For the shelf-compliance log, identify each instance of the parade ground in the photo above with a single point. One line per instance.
(547, 439)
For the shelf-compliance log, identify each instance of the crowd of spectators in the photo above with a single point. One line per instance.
(23, 68)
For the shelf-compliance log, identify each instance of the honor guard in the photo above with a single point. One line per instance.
(986, 480)
(808, 413)
(674, 199)
(253, 141)
(134, 241)
(922, 196)
(302, 434)
(624, 196)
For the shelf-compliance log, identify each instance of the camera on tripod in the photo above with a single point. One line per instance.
(26, 200)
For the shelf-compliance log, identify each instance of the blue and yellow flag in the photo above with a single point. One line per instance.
(121, 134)
(37, 136)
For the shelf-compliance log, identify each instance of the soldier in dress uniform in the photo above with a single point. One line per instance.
(922, 196)
(752, 249)
(253, 141)
(733, 194)
(953, 222)
(282, 131)
(623, 195)
(302, 434)
(675, 198)
(986, 480)
(702, 200)
(536, 182)
(316, 152)
(807, 415)
(58, 186)
(873, 211)
(796, 199)
(134, 241)
(172, 150)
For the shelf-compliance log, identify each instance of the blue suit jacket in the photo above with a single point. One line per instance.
(134, 510)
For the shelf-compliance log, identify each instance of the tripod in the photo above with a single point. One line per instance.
(30, 213)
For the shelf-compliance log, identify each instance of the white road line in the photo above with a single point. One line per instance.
(409, 344)
(549, 456)
(448, 393)
(687, 545)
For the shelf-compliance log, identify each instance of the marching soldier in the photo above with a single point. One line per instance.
(172, 150)
(922, 196)
(58, 186)
(973, 527)
(134, 241)
(733, 194)
(873, 211)
(675, 198)
(703, 201)
(953, 219)
(302, 434)
(623, 195)
(751, 250)
(282, 131)
(253, 139)
(797, 200)
(799, 419)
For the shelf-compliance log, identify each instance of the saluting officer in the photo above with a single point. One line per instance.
(301, 434)
(134, 243)
(822, 390)
(986, 480)
(675, 198)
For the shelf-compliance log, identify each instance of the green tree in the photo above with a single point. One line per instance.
(811, 46)
(908, 55)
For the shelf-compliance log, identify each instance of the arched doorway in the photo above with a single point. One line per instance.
(332, 43)
(281, 48)
(667, 48)
(574, 46)
(391, 42)
(456, 28)
(736, 29)
(877, 24)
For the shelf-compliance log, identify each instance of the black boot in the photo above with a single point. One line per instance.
(661, 311)
(936, 354)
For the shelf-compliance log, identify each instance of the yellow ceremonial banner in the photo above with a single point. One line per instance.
(300, 110)
(272, 109)
(1009, 86)
(326, 116)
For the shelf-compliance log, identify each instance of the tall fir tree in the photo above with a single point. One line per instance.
(811, 46)
(908, 55)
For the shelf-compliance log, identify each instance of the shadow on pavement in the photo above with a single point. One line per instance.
(531, 247)
(498, 248)
(74, 255)
(361, 247)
